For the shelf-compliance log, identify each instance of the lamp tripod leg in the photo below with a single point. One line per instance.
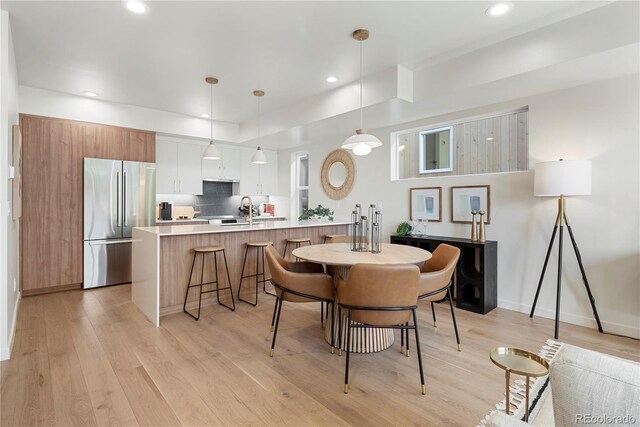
(557, 326)
(584, 275)
(544, 269)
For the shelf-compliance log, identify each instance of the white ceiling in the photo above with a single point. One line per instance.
(159, 60)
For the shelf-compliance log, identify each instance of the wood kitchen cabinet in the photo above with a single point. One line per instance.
(52, 193)
(178, 168)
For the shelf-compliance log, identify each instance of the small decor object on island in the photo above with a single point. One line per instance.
(425, 203)
(474, 234)
(318, 213)
(466, 199)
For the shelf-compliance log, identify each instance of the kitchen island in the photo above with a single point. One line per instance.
(162, 258)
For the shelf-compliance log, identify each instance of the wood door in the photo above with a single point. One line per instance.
(51, 235)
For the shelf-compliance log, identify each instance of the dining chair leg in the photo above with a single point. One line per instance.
(402, 341)
(333, 341)
(346, 370)
(275, 308)
(275, 331)
(453, 317)
(433, 311)
(322, 314)
(406, 331)
(339, 330)
(418, 350)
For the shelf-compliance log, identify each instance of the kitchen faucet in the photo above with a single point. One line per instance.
(250, 208)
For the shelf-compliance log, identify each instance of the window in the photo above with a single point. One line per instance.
(436, 150)
(488, 144)
(301, 183)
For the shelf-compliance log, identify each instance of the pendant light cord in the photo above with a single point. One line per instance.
(211, 117)
(361, 84)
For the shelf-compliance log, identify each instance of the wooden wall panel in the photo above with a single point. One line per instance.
(473, 151)
(51, 235)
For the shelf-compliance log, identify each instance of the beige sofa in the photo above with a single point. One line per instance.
(587, 388)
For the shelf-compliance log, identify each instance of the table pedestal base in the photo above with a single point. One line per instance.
(363, 340)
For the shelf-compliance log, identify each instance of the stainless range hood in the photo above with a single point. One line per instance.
(220, 180)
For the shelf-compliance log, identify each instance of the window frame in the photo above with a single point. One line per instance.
(421, 149)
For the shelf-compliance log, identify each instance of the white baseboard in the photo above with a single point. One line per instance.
(5, 352)
(589, 322)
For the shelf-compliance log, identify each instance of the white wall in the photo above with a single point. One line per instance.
(48, 103)
(597, 121)
(9, 229)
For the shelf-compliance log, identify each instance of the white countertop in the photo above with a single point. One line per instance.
(175, 230)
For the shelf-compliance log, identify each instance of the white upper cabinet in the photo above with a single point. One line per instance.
(166, 167)
(227, 168)
(259, 179)
(178, 168)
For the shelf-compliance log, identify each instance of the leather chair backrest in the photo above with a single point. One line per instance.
(438, 270)
(381, 286)
(302, 277)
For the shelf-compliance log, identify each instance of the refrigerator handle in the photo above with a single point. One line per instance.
(117, 199)
(124, 199)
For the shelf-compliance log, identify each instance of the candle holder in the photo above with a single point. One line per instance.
(474, 233)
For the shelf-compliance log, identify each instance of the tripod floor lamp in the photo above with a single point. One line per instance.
(560, 179)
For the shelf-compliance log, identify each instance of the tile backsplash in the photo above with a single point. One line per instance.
(218, 199)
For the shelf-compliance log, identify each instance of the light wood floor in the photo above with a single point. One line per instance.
(91, 358)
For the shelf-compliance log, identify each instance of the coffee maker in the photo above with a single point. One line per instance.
(165, 211)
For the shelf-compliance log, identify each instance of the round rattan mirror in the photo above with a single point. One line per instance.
(338, 174)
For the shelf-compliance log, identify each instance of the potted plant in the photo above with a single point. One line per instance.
(317, 214)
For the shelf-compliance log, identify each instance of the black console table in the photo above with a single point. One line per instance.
(476, 277)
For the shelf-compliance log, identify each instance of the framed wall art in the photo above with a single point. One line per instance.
(425, 203)
(466, 199)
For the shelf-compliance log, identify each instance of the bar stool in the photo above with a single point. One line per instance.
(331, 237)
(298, 241)
(203, 251)
(259, 246)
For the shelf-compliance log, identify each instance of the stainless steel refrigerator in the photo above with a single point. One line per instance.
(118, 195)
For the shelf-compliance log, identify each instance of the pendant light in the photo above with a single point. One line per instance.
(211, 152)
(258, 157)
(361, 143)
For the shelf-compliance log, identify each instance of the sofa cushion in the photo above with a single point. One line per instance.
(594, 388)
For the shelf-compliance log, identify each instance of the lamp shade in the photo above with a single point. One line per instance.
(211, 152)
(361, 138)
(258, 157)
(563, 177)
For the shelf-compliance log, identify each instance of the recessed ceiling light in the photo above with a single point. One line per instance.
(331, 79)
(137, 7)
(90, 94)
(499, 9)
(205, 116)
(490, 138)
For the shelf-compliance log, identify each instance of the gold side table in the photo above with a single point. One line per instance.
(519, 362)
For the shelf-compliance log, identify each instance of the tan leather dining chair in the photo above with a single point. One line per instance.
(435, 282)
(379, 296)
(298, 282)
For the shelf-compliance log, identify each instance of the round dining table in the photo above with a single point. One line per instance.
(339, 258)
